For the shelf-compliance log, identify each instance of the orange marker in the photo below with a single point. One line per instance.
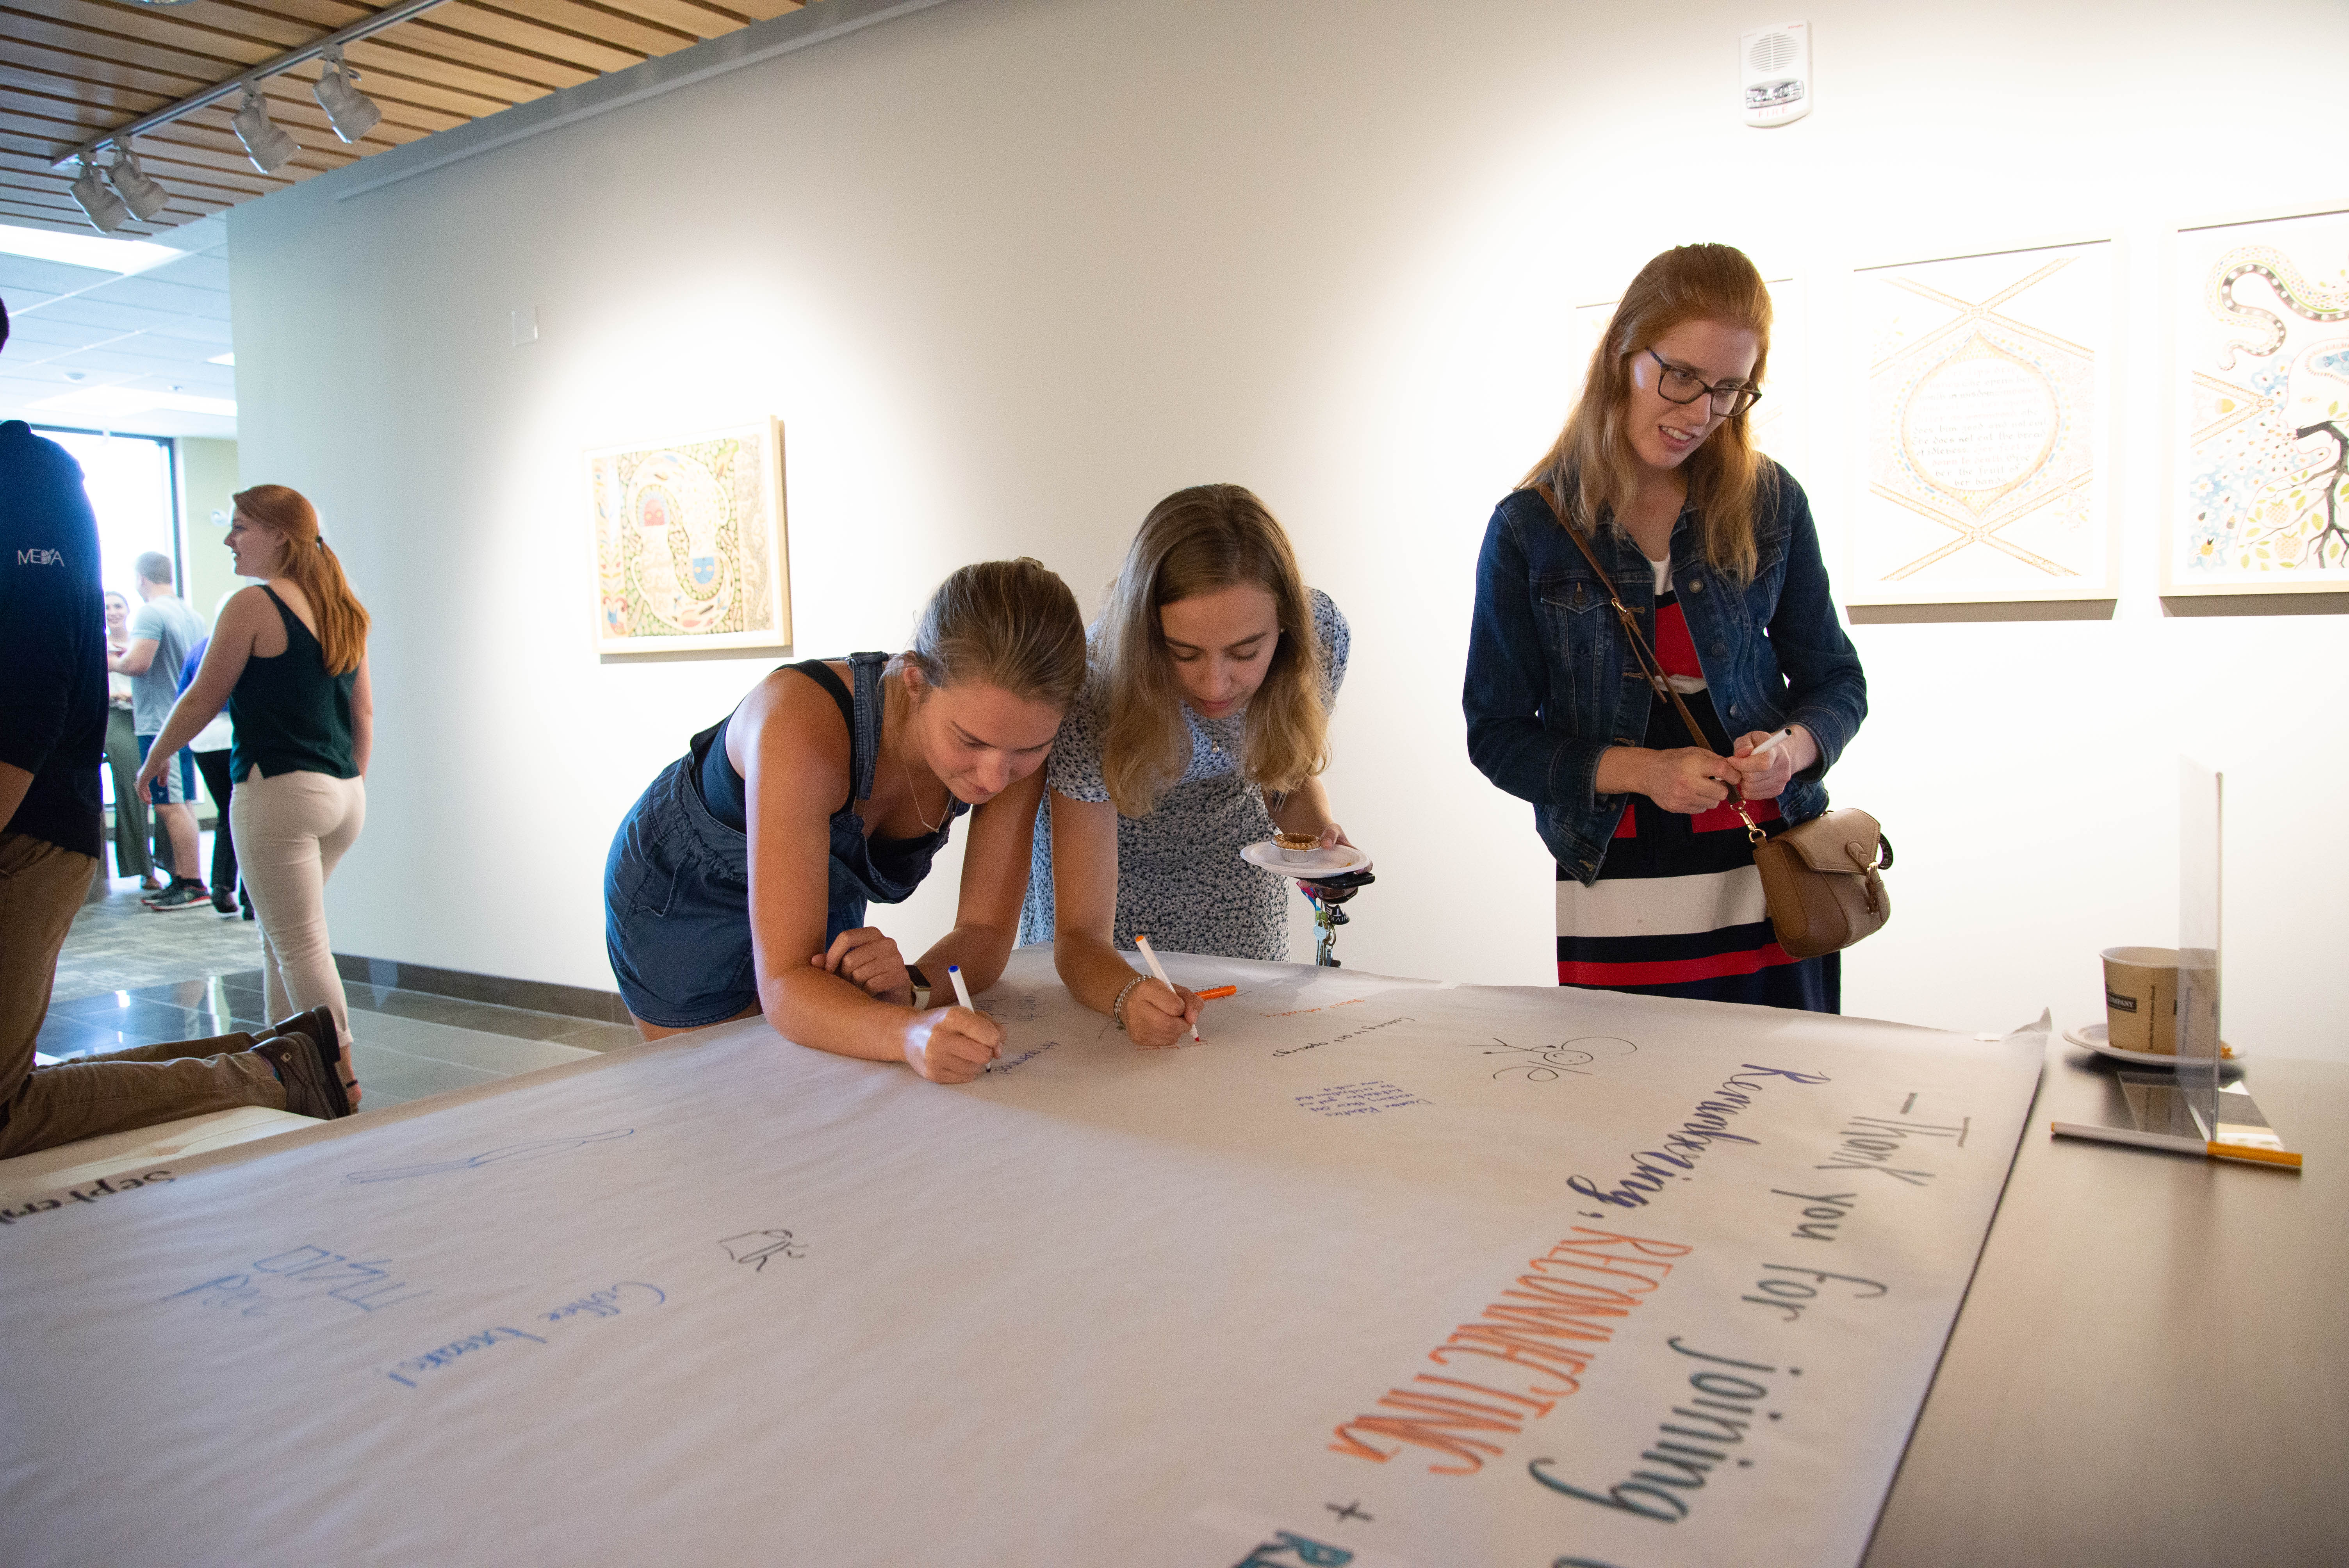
(1218, 993)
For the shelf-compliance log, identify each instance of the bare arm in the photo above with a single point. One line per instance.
(1084, 918)
(994, 886)
(797, 752)
(135, 660)
(224, 660)
(362, 716)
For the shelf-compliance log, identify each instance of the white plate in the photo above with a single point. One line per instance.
(1317, 863)
(2093, 1039)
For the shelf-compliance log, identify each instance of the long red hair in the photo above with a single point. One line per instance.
(310, 561)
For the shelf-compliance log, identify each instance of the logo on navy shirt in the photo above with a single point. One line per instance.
(40, 558)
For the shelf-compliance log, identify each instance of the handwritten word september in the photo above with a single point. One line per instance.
(1728, 1402)
(1689, 1142)
(1537, 1329)
(104, 1187)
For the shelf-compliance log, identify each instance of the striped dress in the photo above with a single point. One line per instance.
(1678, 910)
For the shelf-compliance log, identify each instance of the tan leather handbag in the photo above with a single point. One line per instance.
(1819, 876)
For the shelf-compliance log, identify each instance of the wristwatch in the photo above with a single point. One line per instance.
(921, 987)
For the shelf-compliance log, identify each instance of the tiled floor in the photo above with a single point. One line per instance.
(130, 977)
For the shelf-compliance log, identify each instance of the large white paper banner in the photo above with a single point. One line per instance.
(1383, 1273)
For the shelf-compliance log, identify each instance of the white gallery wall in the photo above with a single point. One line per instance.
(1010, 270)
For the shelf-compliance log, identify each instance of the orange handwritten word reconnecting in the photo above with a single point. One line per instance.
(1538, 1330)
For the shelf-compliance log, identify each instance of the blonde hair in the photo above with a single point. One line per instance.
(311, 562)
(1592, 469)
(1012, 624)
(1200, 541)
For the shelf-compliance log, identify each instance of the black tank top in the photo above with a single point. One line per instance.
(290, 715)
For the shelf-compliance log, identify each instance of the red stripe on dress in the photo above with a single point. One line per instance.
(1675, 649)
(1673, 970)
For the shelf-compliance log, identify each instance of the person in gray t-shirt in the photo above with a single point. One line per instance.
(162, 630)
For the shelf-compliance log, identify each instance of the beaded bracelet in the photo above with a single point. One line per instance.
(1117, 1008)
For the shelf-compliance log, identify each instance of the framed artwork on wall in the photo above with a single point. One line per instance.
(1780, 423)
(2261, 497)
(1988, 428)
(690, 543)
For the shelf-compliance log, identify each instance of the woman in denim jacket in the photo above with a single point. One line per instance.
(1711, 544)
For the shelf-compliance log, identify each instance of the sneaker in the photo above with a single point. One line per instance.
(182, 894)
(309, 1068)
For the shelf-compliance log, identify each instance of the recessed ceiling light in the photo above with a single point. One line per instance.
(228, 358)
(85, 250)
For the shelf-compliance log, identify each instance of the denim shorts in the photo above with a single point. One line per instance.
(677, 908)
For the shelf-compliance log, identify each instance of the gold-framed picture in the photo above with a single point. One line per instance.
(691, 547)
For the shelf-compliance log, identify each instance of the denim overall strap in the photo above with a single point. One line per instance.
(865, 726)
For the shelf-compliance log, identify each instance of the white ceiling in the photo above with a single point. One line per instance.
(73, 329)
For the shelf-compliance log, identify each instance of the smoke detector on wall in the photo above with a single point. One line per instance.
(1774, 64)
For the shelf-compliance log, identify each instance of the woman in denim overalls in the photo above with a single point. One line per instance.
(738, 882)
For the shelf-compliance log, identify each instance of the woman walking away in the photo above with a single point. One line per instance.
(738, 882)
(289, 660)
(1711, 544)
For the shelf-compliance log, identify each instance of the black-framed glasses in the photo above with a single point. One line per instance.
(1677, 384)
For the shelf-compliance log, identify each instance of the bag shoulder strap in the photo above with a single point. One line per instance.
(1650, 665)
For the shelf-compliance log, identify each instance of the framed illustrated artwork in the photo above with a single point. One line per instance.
(691, 544)
(1989, 429)
(2261, 497)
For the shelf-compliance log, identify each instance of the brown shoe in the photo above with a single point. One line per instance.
(318, 1024)
(310, 1068)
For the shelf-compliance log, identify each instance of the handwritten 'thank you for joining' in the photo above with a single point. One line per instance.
(1365, 1098)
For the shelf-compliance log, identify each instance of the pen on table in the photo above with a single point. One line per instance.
(1159, 970)
(1217, 993)
(2171, 1143)
(961, 987)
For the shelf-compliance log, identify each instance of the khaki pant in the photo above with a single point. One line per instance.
(290, 833)
(41, 887)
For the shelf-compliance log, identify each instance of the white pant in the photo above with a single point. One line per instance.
(290, 832)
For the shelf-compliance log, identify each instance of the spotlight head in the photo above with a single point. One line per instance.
(104, 207)
(138, 190)
(264, 142)
(350, 111)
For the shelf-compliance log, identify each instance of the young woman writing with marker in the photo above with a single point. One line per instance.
(739, 881)
(1203, 728)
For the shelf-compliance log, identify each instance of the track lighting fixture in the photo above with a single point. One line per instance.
(350, 111)
(104, 208)
(265, 142)
(138, 190)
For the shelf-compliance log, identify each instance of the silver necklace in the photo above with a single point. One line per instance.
(912, 794)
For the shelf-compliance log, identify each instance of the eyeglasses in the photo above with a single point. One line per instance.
(1681, 384)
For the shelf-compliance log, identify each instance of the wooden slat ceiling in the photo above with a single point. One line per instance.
(72, 68)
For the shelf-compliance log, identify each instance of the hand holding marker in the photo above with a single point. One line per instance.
(1159, 970)
(961, 989)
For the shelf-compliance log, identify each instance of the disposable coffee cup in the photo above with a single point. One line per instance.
(2141, 999)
